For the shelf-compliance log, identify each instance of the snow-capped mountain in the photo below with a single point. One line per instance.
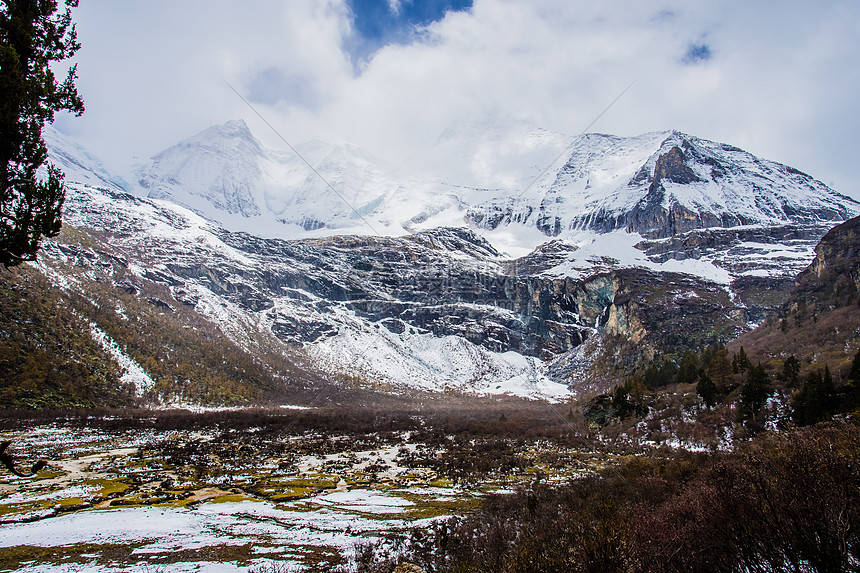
(658, 184)
(228, 176)
(663, 184)
(438, 310)
(644, 246)
(402, 313)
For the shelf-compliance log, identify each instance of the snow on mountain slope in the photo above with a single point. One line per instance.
(323, 295)
(78, 164)
(222, 165)
(382, 278)
(489, 176)
(662, 184)
(517, 185)
(226, 175)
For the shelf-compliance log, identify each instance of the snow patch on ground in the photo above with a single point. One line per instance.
(337, 520)
(132, 373)
(427, 362)
(62, 282)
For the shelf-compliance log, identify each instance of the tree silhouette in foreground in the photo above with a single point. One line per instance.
(32, 36)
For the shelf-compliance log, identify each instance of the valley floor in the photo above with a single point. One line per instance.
(248, 498)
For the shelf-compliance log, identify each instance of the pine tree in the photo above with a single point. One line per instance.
(854, 373)
(720, 371)
(850, 393)
(32, 36)
(754, 394)
(816, 401)
(621, 401)
(688, 370)
(740, 362)
(707, 390)
(654, 377)
(790, 371)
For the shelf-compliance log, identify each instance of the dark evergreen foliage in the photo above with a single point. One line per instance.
(854, 373)
(32, 36)
(754, 394)
(659, 375)
(707, 390)
(740, 362)
(688, 370)
(625, 401)
(850, 393)
(817, 401)
(720, 371)
(790, 371)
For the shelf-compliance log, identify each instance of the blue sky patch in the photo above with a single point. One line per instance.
(697, 53)
(381, 22)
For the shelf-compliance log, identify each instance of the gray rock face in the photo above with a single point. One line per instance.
(446, 282)
(837, 262)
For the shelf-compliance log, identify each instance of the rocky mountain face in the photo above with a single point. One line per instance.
(426, 311)
(819, 322)
(837, 260)
(662, 243)
(192, 169)
(78, 164)
(435, 310)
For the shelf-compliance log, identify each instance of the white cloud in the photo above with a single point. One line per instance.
(781, 83)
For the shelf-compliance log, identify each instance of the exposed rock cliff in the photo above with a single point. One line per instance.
(437, 309)
(819, 323)
(836, 256)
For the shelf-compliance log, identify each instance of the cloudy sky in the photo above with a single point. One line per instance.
(778, 78)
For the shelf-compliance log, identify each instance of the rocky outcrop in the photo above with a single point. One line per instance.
(763, 261)
(644, 316)
(701, 243)
(818, 322)
(672, 167)
(446, 281)
(658, 216)
(837, 261)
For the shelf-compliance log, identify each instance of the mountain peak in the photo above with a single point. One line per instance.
(238, 124)
(233, 128)
(661, 184)
(234, 132)
(213, 172)
(78, 164)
